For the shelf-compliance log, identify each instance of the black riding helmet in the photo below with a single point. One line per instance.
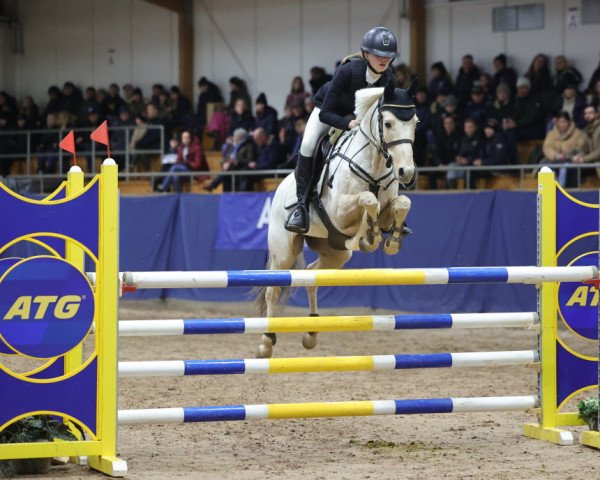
(381, 42)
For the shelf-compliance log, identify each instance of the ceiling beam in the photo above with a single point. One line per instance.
(185, 35)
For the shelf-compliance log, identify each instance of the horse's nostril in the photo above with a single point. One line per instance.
(401, 172)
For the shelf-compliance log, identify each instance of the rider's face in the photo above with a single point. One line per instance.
(379, 64)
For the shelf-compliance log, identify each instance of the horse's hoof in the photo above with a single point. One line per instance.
(392, 244)
(367, 247)
(264, 351)
(310, 339)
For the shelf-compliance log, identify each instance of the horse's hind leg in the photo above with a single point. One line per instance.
(328, 258)
(280, 259)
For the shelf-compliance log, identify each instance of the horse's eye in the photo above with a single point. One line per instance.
(388, 124)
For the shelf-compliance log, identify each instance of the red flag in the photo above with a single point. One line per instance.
(68, 143)
(100, 135)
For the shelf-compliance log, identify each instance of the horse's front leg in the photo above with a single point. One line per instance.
(361, 209)
(392, 218)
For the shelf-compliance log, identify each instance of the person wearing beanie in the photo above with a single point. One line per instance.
(572, 101)
(468, 74)
(529, 119)
(209, 93)
(477, 106)
(504, 74)
(495, 150)
(237, 90)
(266, 116)
(181, 108)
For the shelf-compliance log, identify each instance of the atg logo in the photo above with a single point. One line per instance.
(578, 303)
(46, 307)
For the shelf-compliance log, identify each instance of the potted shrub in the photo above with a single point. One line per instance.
(588, 412)
(37, 428)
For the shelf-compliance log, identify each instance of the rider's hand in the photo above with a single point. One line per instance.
(353, 123)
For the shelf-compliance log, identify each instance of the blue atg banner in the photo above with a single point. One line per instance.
(243, 221)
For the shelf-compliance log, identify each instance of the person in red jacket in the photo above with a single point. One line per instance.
(190, 157)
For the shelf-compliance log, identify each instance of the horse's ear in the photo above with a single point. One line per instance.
(388, 91)
(412, 90)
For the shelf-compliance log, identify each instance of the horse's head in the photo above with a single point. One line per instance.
(390, 119)
(397, 121)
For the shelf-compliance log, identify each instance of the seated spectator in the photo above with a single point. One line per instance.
(495, 149)
(504, 74)
(541, 82)
(477, 106)
(209, 93)
(151, 140)
(297, 92)
(318, 78)
(7, 144)
(299, 127)
(238, 153)
(468, 74)
(101, 95)
(166, 162)
(469, 150)
(31, 111)
(593, 132)
(54, 102)
(119, 136)
(440, 83)
(113, 98)
(140, 130)
(137, 105)
(181, 110)
(266, 116)
(445, 148)
(565, 75)
(486, 85)
(529, 118)
(83, 142)
(309, 105)
(127, 92)
(72, 99)
(595, 96)
(190, 158)
(157, 89)
(237, 90)
(594, 79)
(449, 106)
(404, 76)
(8, 106)
(89, 100)
(268, 156)
(164, 105)
(564, 142)
(20, 144)
(241, 117)
(218, 125)
(573, 102)
(502, 108)
(47, 148)
(424, 125)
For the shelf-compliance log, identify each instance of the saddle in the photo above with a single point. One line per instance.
(335, 238)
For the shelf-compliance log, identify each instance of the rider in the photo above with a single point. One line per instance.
(334, 107)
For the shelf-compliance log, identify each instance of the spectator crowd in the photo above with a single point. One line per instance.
(473, 119)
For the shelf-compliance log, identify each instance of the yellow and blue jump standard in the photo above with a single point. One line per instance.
(47, 308)
(568, 234)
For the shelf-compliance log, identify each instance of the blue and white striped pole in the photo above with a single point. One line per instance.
(326, 409)
(326, 364)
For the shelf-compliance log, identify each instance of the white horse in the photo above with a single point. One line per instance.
(359, 192)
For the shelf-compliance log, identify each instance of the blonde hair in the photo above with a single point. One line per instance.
(346, 59)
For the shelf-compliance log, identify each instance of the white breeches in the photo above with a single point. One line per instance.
(314, 130)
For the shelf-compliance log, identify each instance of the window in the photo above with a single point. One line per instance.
(518, 17)
(590, 12)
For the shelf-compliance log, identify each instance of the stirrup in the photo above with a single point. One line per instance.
(294, 221)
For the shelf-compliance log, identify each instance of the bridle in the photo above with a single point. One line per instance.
(381, 145)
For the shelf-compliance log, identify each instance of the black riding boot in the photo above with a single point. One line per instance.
(298, 220)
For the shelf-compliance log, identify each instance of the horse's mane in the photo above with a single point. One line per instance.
(365, 98)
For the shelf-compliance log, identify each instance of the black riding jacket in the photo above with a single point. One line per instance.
(336, 98)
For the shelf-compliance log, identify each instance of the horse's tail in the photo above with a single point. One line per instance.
(260, 302)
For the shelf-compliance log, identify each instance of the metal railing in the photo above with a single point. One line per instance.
(96, 150)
